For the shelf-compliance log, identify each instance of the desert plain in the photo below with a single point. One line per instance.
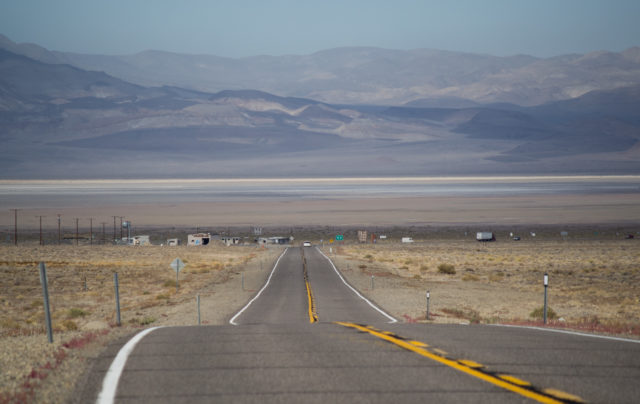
(594, 269)
(594, 287)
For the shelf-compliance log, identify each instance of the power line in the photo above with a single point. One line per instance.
(114, 228)
(59, 215)
(104, 237)
(15, 226)
(40, 217)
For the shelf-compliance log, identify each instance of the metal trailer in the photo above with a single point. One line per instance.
(485, 236)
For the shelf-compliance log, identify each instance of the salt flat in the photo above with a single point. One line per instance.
(322, 201)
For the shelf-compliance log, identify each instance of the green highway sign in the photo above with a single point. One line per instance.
(339, 237)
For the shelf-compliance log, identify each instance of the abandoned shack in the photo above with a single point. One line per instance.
(172, 242)
(198, 239)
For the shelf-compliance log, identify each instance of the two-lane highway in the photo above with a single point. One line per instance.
(272, 351)
(335, 299)
(283, 300)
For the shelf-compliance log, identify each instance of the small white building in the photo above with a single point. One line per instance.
(141, 240)
(198, 239)
(407, 239)
(275, 240)
(136, 240)
(228, 240)
(280, 240)
(172, 242)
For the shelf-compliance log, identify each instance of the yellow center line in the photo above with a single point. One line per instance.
(471, 364)
(313, 317)
(514, 380)
(471, 368)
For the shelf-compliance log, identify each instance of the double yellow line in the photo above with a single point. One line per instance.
(508, 382)
(313, 316)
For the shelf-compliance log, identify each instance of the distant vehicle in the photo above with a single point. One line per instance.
(407, 239)
(485, 236)
(516, 238)
(629, 236)
(306, 244)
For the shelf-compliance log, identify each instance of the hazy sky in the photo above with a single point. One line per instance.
(238, 28)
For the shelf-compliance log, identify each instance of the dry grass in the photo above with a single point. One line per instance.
(502, 281)
(148, 295)
(145, 279)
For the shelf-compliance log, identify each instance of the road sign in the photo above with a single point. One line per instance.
(177, 265)
(331, 241)
(339, 237)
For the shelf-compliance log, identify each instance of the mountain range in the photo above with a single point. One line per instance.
(342, 112)
(371, 76)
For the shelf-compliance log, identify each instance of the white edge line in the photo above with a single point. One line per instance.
(568, 332)
(110, 383)
(232, 321)
(393, 320)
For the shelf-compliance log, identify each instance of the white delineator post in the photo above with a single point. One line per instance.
(546, 284)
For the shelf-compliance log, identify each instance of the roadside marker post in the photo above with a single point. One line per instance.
(198, 300)
(372, 284)
(546, 284)
(115, 282)
(45, 294)
(428, 296)
(177, 264)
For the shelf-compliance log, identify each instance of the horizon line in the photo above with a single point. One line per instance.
(328, 179)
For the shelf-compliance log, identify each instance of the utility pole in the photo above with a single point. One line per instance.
(121, 235)
(90, 231)
(77, 220)
(104, 237)
(59, 227)
(114, 228)
(40, 217)
(15, 226)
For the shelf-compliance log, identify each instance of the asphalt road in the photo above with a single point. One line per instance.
(279, 353)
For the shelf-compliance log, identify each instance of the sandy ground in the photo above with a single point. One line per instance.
(593, 284)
